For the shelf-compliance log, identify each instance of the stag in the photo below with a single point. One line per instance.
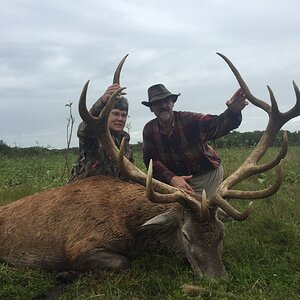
(104, 222)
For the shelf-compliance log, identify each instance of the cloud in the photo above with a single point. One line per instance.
(49, 50)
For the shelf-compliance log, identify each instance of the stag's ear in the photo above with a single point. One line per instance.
(165, 220)
(223, 216)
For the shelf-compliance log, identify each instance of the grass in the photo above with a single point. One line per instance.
(261, 254)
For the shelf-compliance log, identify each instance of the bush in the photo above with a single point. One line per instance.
(4, 149)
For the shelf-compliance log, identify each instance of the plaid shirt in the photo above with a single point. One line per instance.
(185, 150)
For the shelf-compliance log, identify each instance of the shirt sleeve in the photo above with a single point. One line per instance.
(213, 127)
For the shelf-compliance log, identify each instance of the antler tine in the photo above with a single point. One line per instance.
(219, 201)
(255, 101)
(156, 197)
(281, 155)
(250, 167)
(231, 211)
(297, 92)
(238, 194)
(84, 113)
(295, 111)
(205, 214)
(179, 195)
(275, 109)
(117, 73)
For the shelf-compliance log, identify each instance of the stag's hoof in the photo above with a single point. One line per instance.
(67, 276)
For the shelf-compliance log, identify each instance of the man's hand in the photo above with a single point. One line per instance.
(237, 102)
(110, 90)
(180, 182)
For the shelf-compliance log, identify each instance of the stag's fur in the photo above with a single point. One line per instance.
(98, 222)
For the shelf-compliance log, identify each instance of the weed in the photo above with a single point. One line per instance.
(261, 254)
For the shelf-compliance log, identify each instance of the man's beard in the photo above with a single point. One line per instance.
(165, 116)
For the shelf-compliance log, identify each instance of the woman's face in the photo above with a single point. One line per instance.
(117, 120)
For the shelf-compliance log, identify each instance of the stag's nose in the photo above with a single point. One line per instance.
(212, 269)
(216, 274)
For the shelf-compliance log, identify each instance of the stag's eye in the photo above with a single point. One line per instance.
(186, 236)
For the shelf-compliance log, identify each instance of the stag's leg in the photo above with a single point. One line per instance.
(103, 259)
(67, 276)
(98, 259)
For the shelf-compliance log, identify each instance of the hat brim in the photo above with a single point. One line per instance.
(173, 96)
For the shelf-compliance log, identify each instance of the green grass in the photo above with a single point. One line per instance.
(261, 254)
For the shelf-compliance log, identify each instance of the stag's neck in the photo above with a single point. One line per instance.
(159, 239)
(163, 242)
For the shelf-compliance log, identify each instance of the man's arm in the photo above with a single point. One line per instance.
(212, 127)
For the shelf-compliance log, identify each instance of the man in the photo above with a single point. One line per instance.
(93, 159)
(177, 141)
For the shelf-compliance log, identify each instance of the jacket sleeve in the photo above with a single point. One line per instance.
(212, 127)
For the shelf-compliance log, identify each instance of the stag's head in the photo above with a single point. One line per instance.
(202, 243)
(193, 218)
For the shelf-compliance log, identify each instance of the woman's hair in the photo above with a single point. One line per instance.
(121, 104)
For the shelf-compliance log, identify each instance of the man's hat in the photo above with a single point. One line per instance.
(158, 92)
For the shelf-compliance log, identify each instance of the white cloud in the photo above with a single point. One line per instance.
(50, 49)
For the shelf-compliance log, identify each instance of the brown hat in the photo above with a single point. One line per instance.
(158, 92)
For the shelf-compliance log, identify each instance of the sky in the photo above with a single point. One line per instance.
(49, 49)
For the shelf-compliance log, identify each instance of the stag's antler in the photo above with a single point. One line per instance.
(116, 78)
(250, 167)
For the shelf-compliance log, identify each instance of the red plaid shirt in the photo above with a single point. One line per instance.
(185, 150)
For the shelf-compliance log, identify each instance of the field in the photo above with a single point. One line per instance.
(261, 254)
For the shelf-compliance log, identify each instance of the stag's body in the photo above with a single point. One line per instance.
(69, 222)
(85, 225)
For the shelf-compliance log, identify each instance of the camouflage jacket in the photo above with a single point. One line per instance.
(92, 158)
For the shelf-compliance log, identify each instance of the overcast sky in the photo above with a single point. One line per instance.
(49, 50)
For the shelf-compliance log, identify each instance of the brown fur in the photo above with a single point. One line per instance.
(97, 222)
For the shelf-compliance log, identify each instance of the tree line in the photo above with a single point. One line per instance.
(233, 139)
(250, 139)
(246, 139)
